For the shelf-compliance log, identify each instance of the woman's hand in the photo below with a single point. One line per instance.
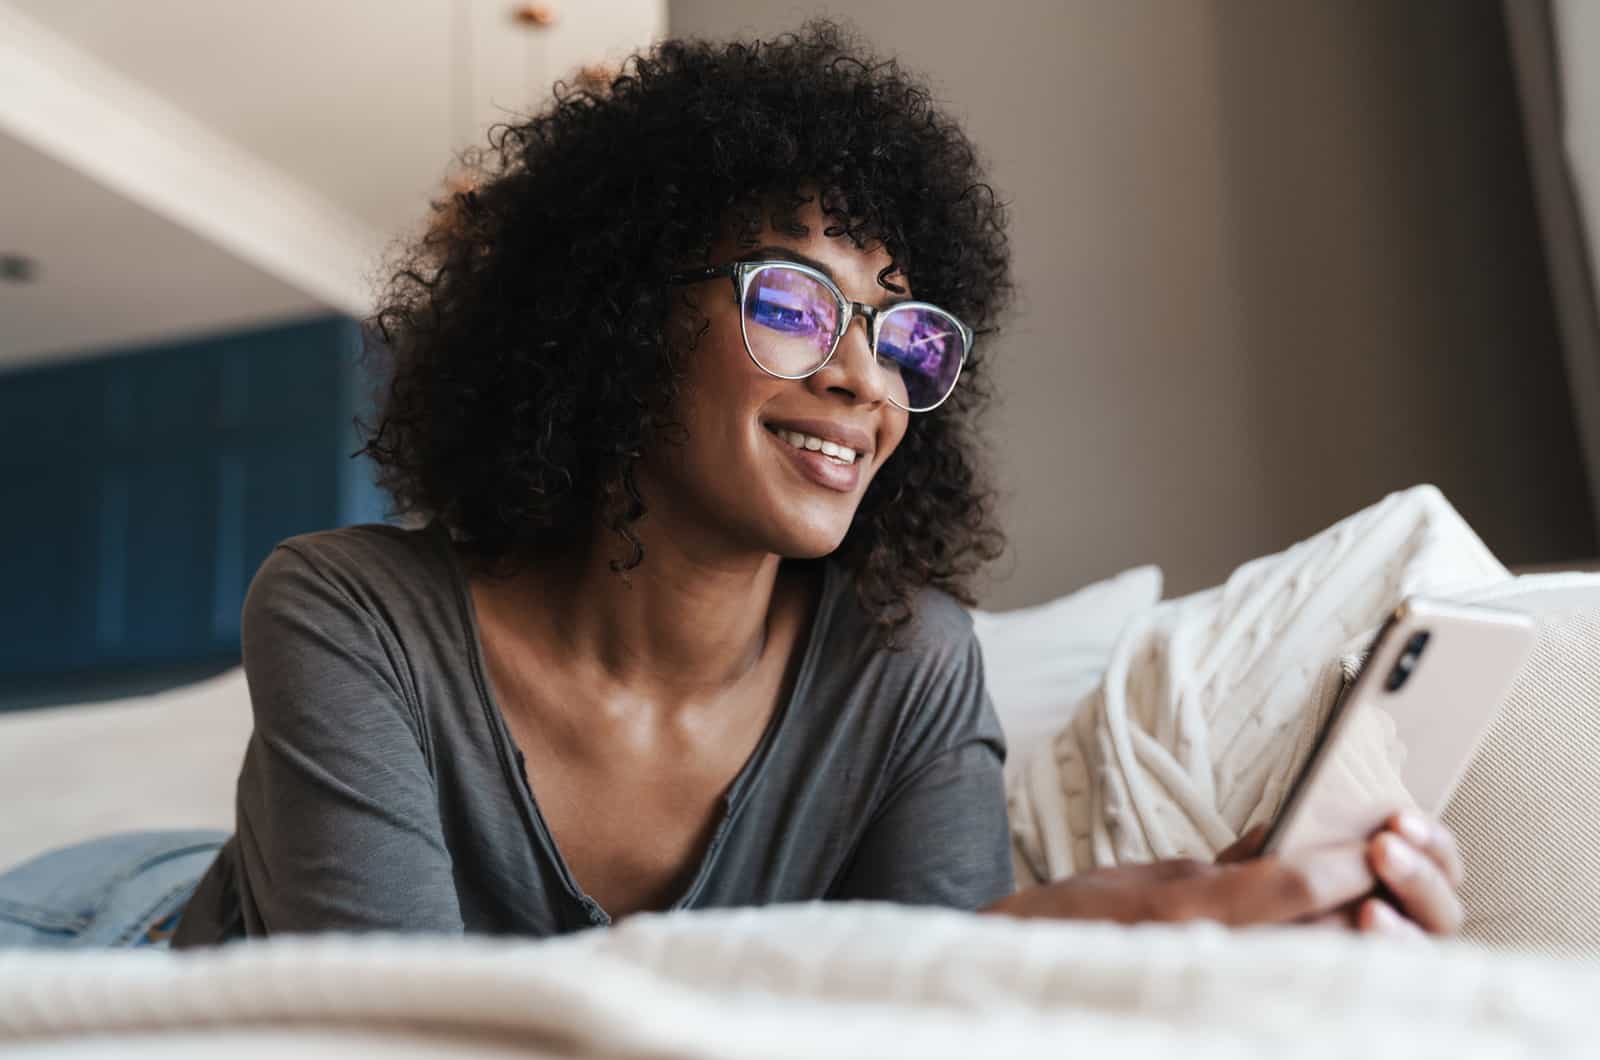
(1417, 861)
(1419, 867)
(1414, 859)
(1234, 891)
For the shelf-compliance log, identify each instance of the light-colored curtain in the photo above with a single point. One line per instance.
(1555, 50)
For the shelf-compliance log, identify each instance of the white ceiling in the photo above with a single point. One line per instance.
(113, 273)
(275, 147)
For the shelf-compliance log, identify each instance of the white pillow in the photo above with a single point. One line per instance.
(1041, 661)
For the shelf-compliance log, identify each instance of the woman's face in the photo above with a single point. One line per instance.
(739, 474)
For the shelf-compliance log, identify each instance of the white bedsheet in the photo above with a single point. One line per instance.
(168, 760)
(813, 981)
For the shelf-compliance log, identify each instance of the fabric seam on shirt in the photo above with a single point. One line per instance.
(375, 628)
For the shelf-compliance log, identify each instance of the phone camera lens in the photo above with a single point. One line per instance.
(1407, 661)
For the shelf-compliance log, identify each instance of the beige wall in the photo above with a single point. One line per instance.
(1277, 257)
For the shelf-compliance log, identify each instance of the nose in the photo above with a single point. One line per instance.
(853, 372)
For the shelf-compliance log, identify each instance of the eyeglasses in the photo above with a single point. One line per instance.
(793, 317)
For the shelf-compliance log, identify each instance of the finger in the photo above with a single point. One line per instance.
(1377, 917)
(1278, 890)
(1417, 883)
(1433, 839)
(1245, 847)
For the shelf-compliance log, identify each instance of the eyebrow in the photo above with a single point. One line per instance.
(769, 250)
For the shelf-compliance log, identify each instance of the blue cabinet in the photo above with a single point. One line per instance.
(140, 492)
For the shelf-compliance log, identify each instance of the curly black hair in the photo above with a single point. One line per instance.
(525, 338)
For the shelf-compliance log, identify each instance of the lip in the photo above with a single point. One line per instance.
(819, 469)
(829, 431)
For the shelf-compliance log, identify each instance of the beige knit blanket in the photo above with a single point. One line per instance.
(1211, 701)
(811, 981)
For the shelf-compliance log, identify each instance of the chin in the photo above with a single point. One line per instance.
(808, 546)
(812, 551)
(808, 539)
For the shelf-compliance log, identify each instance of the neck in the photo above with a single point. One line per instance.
(684, 624)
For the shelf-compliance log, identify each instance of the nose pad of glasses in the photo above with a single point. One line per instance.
(861, 379)
(864, 314)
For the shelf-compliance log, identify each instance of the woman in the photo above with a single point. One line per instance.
(684, 390)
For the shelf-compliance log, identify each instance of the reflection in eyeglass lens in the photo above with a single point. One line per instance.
(927, 347)
(791, 320)
(791, 302)
(795, 319)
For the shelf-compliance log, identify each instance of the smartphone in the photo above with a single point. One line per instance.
(1406, 728)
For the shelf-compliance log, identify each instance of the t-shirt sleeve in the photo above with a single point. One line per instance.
(939, 835)
(338, 823)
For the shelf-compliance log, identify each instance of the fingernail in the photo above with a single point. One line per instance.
(1413, 827)
(1398, 858)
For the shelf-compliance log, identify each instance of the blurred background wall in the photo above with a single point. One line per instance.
(1276, 258)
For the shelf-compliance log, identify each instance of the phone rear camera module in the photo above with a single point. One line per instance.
(1401, 673)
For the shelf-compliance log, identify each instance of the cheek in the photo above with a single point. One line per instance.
(718, 403)
(709, 350)
(718, 379)
(894, 432)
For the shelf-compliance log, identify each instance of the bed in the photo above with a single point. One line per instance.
(1115, 703)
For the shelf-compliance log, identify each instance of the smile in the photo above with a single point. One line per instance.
(839, 454)
(836, 468)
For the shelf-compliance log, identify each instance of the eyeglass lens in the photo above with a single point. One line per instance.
(791, 319)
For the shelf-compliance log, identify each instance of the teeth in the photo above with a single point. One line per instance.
(839, 454)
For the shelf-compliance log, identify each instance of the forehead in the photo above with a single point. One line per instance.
(855, 269)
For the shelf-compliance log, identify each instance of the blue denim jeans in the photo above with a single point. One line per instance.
(124, 890)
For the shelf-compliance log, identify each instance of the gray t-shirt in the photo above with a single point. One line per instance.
(381, 789)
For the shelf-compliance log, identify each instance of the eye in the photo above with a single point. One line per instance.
(784, 309)
(779, 311)
(918, 341)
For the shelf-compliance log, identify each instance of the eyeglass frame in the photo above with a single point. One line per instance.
(742, 272)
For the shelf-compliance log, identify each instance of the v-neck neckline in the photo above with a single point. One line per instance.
(513, 762)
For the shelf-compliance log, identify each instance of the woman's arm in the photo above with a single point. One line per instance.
(338, 819)
(937, 832)
(940, 838)
(1413, 858)
(1262, 891)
